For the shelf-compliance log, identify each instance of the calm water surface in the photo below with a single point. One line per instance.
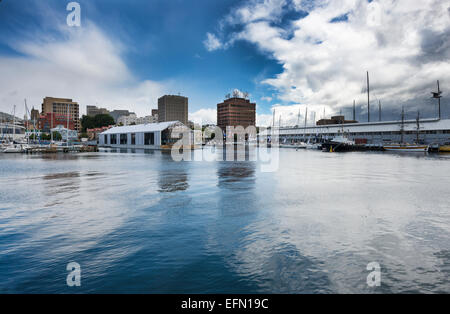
(140, 222)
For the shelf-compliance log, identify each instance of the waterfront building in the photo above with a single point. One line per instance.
(173, 108)
(116, 114)
(335, 120)
(62, 106)
(92, 111)
(155, 112)
(429, 131)
(66, 134)
(50, 120)
(236, 111)
(11, 132)
(149, 136)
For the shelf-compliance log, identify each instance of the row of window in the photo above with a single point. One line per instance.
(149, 139)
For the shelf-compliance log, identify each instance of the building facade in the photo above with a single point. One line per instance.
(62, 106)
(92, 111)
(236, 112)
(428, 131)
(173, 108)
(144, 136)
(66, 134)
(50, 120)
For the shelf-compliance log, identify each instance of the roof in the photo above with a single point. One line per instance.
(149, 127)
(384, 126)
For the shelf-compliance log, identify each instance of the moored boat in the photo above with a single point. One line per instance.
(444, 148)
(410, 148)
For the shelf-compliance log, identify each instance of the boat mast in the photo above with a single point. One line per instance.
(354, 110)
(306, 119)
(14, 123)
(402, 130)
(368, 98)
(438, 96)
(379, 110)
(418, 126)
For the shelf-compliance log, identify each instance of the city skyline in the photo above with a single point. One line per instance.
(288, 55)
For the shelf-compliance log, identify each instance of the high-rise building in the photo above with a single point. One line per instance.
(92, 111)
(173, 108)
(154, 112)
(116, 114)
(236, 111)
(63, 106)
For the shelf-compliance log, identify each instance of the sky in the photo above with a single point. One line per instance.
(288, 55)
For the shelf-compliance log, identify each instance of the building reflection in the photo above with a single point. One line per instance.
(173, 180)
(59, 187)
(236, 175)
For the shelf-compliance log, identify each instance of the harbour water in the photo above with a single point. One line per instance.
(143, 223)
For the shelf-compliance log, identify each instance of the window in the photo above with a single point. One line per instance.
(133, 139)
(149, 139)
(113, 139)
(123, 139)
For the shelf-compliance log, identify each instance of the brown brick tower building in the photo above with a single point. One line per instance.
(62, 106)
(236, 111)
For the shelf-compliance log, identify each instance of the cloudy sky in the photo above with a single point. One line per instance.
(288, 54)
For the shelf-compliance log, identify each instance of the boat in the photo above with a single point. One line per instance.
(340, 143)
(300, 145)
(13, 149)
(313, 146)
(445, 148)
(407, 148)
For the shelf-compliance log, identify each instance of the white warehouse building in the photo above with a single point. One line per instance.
(146, 136)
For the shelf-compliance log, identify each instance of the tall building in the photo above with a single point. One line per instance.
(52, 120)
(173, 108)
(116, 114)
(62, 106)
(92, 111)
(236, 111)
(154, 112)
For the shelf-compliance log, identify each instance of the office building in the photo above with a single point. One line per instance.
(92, 111)
(173, 108)
(62, 106)
(236, 111)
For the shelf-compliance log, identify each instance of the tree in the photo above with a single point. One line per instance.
(98, 121)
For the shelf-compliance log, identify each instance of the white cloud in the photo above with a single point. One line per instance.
(212, 43)
(404, 44)
(84, 65)
(204, 116)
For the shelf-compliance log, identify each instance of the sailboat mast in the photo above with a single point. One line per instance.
(379, 110)
(14, 123)
(439, 100)
(418, 126)
(402, 130)
(306, 119)
(368, 98)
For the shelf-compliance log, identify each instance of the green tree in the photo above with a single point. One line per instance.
(98, 121)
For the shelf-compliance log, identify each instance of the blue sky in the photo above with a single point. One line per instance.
(288, 54)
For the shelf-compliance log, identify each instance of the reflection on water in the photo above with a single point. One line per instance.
(136, 221)
(172, 180)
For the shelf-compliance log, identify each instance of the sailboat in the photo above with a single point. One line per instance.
(406, 147)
